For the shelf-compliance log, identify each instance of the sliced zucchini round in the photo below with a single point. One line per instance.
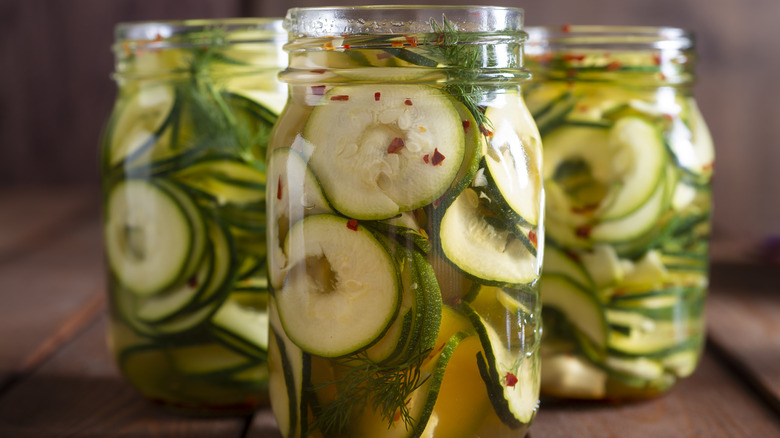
(292, 193)
(482, 250)
(379, 150)
(514, 158)
(149, 236)
(226, 179)
(509, 377)
(580, 307)
(342, 289)
(140, 121)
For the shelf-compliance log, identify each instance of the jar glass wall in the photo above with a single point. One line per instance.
(628, 162)
(183, 172)
(404, 226)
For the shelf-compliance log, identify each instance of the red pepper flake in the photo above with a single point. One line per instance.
(614, 65)
(583, 231)
(396, 145)
(346, 46)
(412, 41)
(532, 237)
(318, 90)
(708, 166)
(340, 97)
(437, 157)
(466, 125)
(408, 102)
(426, 158)
(383, 55)
(397, 44)
(328, 45)
(662, 76)
(657, 59)
(486, 132)
(157, 38)
(318, 71)
(352, 224)
(566, 28)
(377, 95)
(511, 380)
(570, 57)
(279, 189)
(668, 117)
(193, 282)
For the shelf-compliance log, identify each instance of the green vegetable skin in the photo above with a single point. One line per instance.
(392, 200)
(627, 174)
(183, 164)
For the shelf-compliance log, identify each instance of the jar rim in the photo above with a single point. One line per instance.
(166, 33)
(324, 21)
(603, 36)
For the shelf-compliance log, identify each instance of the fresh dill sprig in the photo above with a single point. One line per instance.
(467, 57)
(366, 384)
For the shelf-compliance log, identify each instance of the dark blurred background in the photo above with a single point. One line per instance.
(56, 91)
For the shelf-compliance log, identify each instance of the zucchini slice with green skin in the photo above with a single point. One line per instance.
(242, 326)
(149, 236)
(342, 290)
(140, 121)
(292, 193)
(513, 158)
(480, 249)
(557, 261)
(508, 377)
(395, 147)
(227, 180)
(578, 305)
(290, 371)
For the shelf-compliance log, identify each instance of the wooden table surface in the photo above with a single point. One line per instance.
(58, 379)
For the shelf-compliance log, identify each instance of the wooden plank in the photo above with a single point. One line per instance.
(45, 295)
(743, 313)
(711, 403)
(78, 392)
(31, 216)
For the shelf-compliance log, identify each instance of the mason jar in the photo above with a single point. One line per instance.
(404, 226)
(183, 183)
(628, 162)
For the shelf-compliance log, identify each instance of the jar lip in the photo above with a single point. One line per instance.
(603, 36)
(324, 21)
(171, 33)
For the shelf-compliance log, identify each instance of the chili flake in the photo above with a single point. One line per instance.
(352, 224)
(511, 380)
(397, 44)
(346, 46)
(193, 282)
(614, 65)
(412, 41)
(583, 231)
(377, 95)
(318, 90)
(426, 158)
(318, 71)
(566, 28)
(437, 157)
(408, 102)
(532, 237)
(279, 189)
(396, 145)
(466, 125)
(340, 97)
(486, 132)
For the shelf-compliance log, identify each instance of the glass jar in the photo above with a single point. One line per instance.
(628, 162)
(404, 226)
(183, 172)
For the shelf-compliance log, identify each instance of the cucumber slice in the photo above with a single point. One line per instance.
(482, 250)
(205, 359)
(567, 375)
(140, 121)
(578, 305)
(509, 378)
(395, 147)
(342, 289)
(149, 236)
(513, 157)
(293, 192)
